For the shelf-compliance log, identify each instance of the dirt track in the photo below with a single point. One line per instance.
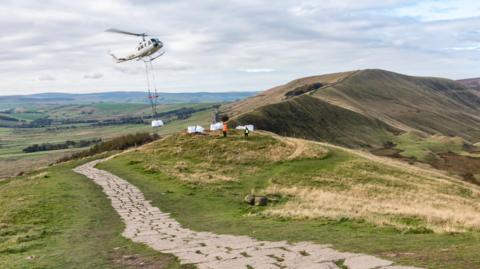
(147, 224)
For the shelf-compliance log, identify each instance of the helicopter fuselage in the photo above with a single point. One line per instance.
(146, 48)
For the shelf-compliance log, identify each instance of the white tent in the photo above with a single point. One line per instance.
(157, 123)
(216, 126)
(242, 127)
(195, 129)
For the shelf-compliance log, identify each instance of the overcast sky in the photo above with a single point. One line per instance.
(246, 45)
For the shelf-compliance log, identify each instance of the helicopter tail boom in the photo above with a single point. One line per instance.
(119, 60)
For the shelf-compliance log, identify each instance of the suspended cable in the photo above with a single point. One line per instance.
(154, 82)
(150, 97)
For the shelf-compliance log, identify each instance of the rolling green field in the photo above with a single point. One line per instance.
(95, 111)
(13, 140)
(201, 181)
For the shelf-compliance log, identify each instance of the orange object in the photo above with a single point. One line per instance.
(225, 127)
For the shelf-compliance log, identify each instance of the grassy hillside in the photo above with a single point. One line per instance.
(55, 218)
(425, 105)
(430, 105)
(317, 192)
(311, 118)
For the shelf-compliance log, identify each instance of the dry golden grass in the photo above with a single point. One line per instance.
(11, 166)
(381, 191)
(201, 173)
(303, 149)
(365, 190)
(39, 175)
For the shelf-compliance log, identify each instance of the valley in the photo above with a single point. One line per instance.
(46, 122)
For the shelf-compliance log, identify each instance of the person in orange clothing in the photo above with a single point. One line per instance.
(225, 129)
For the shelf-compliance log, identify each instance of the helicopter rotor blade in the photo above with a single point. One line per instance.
(113, 30)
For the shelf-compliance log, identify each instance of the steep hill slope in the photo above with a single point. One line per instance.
(386, 102)
(312, 118)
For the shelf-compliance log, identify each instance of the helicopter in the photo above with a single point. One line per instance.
(147, 50)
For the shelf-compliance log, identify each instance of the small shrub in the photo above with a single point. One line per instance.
(389, 145)
(303, 89)
(118, 143)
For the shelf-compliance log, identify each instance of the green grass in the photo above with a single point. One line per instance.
(219, 207)
(423, 149)
(63, 220)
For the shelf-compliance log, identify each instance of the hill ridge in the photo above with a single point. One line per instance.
(426, 105)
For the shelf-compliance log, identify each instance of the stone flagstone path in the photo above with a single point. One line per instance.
(147, 224)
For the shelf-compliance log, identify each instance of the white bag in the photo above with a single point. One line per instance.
(195, 129)
(216, 126)
(242, 127)
(157, 123)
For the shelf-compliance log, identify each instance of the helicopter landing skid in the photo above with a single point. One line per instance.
(151, 58)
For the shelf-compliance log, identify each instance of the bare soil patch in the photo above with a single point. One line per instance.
(465, 166)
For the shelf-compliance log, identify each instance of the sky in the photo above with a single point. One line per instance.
(246, 45)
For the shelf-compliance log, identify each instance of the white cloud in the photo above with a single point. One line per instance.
(257, 70)
(93, 76)
(216, 46)
(46, 78)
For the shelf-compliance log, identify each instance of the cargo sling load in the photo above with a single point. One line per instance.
(147, 51)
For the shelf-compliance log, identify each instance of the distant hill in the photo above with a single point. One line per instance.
(125, 97)
(363, 108)
(472, 83)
